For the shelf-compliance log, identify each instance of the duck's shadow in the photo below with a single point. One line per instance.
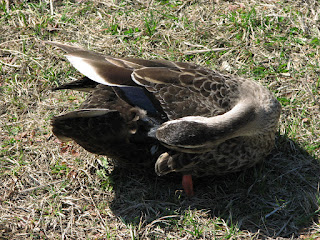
(276, 198)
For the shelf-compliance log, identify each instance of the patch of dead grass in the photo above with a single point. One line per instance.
(54, 191)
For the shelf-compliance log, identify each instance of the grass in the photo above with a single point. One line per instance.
(54, 191)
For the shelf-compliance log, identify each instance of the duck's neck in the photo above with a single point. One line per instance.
(232, 123)
(197, 134)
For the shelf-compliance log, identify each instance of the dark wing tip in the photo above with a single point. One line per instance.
(64, 47)
(84, 84)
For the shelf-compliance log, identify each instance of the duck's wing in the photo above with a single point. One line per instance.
(116, 72)
(173, 89)
(187, 90)
(107, 70)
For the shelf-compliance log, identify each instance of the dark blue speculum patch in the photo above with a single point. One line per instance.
(136, 96)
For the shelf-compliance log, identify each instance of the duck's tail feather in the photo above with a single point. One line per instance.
(64, 47)
(84, 84)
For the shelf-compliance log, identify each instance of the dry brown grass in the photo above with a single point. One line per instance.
(51, 191)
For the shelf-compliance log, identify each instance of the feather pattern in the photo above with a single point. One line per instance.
(180, 117)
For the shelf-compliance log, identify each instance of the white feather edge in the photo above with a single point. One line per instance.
(91, 72)
(134, 79)
(84, 113)
(88, 70)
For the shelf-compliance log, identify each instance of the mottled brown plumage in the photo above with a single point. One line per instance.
(186, 118)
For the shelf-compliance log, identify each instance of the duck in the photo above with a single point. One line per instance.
(176, 116)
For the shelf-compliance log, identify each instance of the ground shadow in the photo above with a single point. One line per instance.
(276, 198)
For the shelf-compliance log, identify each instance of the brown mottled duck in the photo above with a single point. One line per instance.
(180, 117)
